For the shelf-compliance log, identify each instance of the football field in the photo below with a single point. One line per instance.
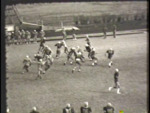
(60, 86)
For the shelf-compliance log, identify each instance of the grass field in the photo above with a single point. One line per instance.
(59, 86)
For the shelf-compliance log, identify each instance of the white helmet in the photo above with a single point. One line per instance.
(78, 47)
(86, 104)
(117, 69)
(34, 108)
(87, 36)
(109, 104)
(111, 49)
(93, 49)
(86, 45)
(40, 60)
(68, 105)
(79, 53)
(73, 48)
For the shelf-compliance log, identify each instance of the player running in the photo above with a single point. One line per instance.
(88, 40)
(109, 53)
(88, 49)
(65, 47)
(116, 81)
(93, 57)
(27, 63)
(47, 55)
(42, 42)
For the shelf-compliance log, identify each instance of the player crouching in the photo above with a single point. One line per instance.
(27, 64)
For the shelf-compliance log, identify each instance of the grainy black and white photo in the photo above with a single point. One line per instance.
(77, 57)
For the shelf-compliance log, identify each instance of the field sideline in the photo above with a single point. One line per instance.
(59, 86)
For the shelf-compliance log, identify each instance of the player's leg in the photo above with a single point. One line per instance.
(74, 67)
(110, 61)
(58, 53)
(79, 66)
(118, 88)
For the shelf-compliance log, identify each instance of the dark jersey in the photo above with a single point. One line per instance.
(110, 53)
(68, 110)
(116, 76)
(88, 49)
(47, 51)
(86, 110)
(108, 109)
(92, 53)
(59, 45)
(27, 62)
(70, 53)
(34, 111)
(104, 29)
(38, 57)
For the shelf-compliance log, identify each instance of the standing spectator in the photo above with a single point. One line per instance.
(86, 108)
(28, 36)
(13, 37)
(35, 34)
(42, 34)
(68, 109)
(64, 34)
(109, 108)
(19, 37)
(105, 32)
(116, 82)
(74, 35)
(114, 31)
(8, 38)
(23, 37)
(34, 110)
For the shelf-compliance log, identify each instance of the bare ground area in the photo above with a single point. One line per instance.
(59, 86)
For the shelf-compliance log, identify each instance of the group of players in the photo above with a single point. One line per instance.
(44, 58)
(23, 36)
